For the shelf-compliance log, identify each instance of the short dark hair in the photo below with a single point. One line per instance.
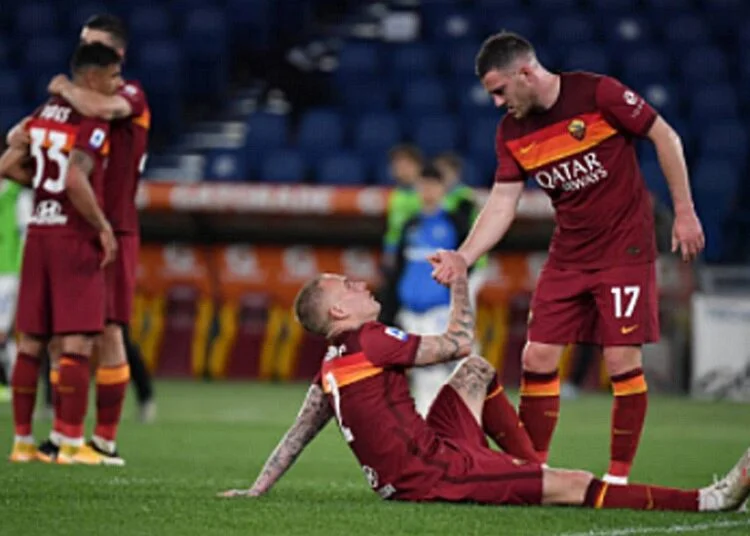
(93, 55)
(451, 159)
(307, 308)
(112, 25)
(431, 173)
(500, 50)
(411, 152)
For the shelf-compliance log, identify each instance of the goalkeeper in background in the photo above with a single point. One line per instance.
(15, 210)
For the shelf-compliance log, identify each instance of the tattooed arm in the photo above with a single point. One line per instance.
(312, 417)
(457, 340)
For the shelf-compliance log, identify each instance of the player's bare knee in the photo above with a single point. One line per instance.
(82, 345)
(32, 346)
(622, 359)
(541, 358)
(473, 374)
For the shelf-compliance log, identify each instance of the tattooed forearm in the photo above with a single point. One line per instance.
(457, 340)
(313, 416)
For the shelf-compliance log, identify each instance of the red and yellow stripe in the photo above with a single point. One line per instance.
(548, 388)
(113, 375)
(348, 370)
(555, 142)
(143, 120)
(631, 386)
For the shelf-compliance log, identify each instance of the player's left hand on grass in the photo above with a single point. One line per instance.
(687, 235)
(57, 84)
(239, 493)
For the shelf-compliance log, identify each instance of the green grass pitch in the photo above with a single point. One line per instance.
(210, 437)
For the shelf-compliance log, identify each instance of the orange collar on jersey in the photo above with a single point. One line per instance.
(347, 370)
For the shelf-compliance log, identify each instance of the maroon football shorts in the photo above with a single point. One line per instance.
(62, 285)
(610, 307)
(120, 278)
(474, 472)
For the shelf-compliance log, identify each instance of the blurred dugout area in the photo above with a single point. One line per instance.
(225, 312)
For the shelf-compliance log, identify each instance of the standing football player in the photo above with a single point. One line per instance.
(575, 134)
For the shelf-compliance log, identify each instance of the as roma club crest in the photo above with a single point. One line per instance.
(577, 129)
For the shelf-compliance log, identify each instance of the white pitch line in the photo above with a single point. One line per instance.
(668, 529)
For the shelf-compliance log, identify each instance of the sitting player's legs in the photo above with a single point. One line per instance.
(580, 488)
(24, 384)
(628, 317)
(473, 403)
(561, 312)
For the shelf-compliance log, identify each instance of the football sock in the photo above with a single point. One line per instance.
(500, 421)
(24, 381)
(73, 394)
(54, 383)
(640, 497)
(628, 417)
(111, 385)
(540, 408)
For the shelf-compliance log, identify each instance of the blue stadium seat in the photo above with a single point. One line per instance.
(545, 7)
(480, 145)
(587, 58)
(375, 134)
(654, 179)
(645, 65)
(473, 99)
(413, 60)
(726, 141)
(626, 31)
(205, 41)
(714, 187)
(436, 134)
(4, 54)
(382, 173)
(36, 19)
(43, 58)
(283, 166)
(10, 115)
(341, 169)
(321, 131)
(365, 94)
(474, 174)
(743, 37)
(358, 60)
(664, 97)
(424, 96)
(570, 30)
(713, 103)
(80, 13)
(704, 64)
(11, 89)
(160, 70)
(265, 132)
(252, 24)
(461, 59)
(483, 5)
(686, 31)
(549, 56)
(149, 22)
(450, 25)
(225, 165)
(612, 6)
(494, 20)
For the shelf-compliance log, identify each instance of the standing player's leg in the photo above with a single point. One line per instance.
(24, 384)
(112, 377)
(561, 313)
(476, 383)
(580, 488)
(8, 300)
(139, 375)
(628, 317)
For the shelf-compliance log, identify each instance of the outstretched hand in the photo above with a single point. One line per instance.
(687, 235)
(447, 266)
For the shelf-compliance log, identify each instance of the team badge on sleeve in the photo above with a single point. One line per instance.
(396, 333)
(97, 138)
(130, 90)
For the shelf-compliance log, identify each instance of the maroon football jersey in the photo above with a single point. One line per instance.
(582, 153)
(55, 129)
(363, 375)
(129, 143)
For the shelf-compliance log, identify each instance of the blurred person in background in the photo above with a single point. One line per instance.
(406, 162)
(574, 134)
(461, 200)
(16, 203)
(424, 304)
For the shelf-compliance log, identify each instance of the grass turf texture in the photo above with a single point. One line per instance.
(210, 437)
